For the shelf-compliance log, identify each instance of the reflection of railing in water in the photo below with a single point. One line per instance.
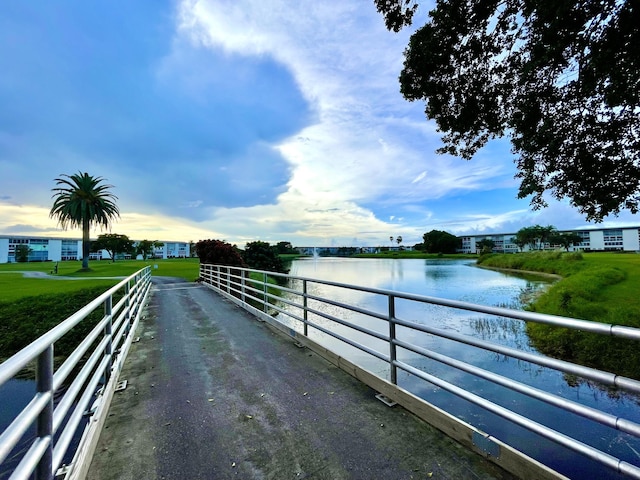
(304, 311)
(81, 374)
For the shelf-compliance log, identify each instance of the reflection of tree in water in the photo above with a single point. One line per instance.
(436, 272)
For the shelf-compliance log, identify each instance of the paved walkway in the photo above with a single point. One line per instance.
(214, 394)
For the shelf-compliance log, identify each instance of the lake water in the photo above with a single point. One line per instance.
(462, 280)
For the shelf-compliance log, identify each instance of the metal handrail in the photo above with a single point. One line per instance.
(56, 424)
(253, 295)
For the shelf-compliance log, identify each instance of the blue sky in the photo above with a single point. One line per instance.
(238, 120)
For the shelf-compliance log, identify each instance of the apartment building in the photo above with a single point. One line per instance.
(42, 249)
(603, 239)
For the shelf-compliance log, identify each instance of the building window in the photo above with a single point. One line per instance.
(613, 239)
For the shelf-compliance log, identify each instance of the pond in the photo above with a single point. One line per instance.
(462, 280)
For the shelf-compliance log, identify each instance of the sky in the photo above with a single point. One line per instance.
(238, 120)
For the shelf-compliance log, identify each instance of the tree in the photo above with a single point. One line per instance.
(113, 243)
(485, 245)
(561, 79)
(219, 252)
(399, 239)
(437, 241)
(263, 256)
(81, 200)
(285, 247)
(156, 244)
(535, 236)
(565, 239)
(22, 253)
(144, 248)
(519, 241)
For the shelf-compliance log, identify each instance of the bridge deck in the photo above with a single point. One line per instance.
(213, 394)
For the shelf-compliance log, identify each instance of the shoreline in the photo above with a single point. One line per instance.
(517, 270)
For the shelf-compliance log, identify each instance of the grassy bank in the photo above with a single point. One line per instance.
(24, 320)
(14, 285)
(599, 287)
(30, 306)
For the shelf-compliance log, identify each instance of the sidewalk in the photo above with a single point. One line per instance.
(214, 394)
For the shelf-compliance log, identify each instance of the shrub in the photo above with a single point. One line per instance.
(218, 252)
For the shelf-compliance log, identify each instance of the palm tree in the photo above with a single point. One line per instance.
(82, 200)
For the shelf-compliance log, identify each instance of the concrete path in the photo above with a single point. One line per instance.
(214, 394)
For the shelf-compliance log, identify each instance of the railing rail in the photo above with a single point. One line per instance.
(89, 366)
(292, 305)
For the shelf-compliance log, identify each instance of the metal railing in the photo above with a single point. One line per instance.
(290, 303)
(89, 367)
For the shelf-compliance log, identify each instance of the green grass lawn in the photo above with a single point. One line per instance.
(601, 287)
(626, 292)
(14, 286)
(31, 306)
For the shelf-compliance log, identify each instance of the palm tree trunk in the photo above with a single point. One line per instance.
(86, 244)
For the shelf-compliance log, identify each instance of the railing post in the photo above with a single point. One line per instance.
(127, 306)
(392, 338)
(44, 428)
(242, 283)
(108, 349)
(265, 298)
(226, 280)
(305, 314)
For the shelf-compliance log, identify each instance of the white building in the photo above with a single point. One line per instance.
(44, 249)
(603, 239)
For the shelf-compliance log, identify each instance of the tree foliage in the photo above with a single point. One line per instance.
(560, 78)
(144, 248)
(486, 245)
(565, 239)
(81, 200)
(437, 241)
(263, 256)
(519, 241)
(219, 252)
(535, 236)
(113, 243)
(22, 253)
(285, 248)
